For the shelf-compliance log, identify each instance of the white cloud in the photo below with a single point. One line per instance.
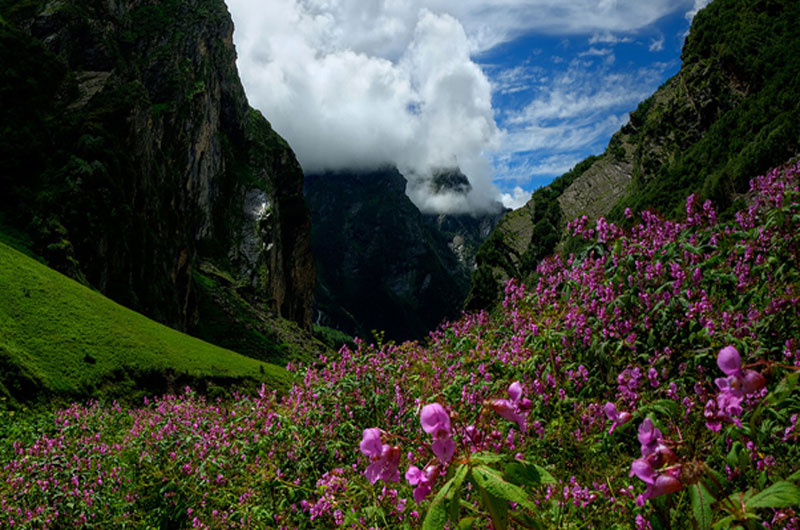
(698, 5)
(516, 199)
(656, 45)
(570, 115)
(595, 52)
(608, 38)
(341, 108)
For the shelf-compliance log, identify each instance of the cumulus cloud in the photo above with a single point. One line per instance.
(572, 113)
(516, 199)
(357, 84)
(343, 108)
(608, 38)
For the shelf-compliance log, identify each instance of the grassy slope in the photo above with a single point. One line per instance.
(70, 340)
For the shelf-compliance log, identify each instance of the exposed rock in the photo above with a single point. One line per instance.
(160, 159)
(382, 264)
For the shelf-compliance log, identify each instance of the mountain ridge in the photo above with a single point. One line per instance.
(726, 115)
(130, 156)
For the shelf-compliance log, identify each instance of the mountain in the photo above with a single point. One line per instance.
(730, 112)
(382, 264)
(131, 161)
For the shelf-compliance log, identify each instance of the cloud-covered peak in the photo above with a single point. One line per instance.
(343, 108)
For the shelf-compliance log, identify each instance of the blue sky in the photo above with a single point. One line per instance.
(559, 98)
(514, 92)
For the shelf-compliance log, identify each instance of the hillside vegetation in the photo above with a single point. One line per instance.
(59, 338)
(650, 381)
(730, 112)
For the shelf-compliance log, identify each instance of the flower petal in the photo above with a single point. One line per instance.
(729, 361)
(434, 418)
(444, 449)
(371, 442)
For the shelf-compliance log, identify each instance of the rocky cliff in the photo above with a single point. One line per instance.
(383, 265)
(731, 112)
(129, 156)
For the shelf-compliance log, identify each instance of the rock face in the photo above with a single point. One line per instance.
(132, 154)
(729, 114)
(382, 265)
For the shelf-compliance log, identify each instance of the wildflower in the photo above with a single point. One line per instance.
(435, 421)
(650, 468)
(513, 409)
(618, 418)
(736, 382)
(423, 479)
(384, 458)
(657, 483)
(726, 405)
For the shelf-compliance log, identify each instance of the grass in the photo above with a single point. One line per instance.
(65, 339)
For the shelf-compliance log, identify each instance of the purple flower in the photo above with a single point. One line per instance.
(513, 409)
(618, 418)
(657, 483)
(726, 406)
(737, 381)
(655, 455)
(436, 421)
(422, 479)
(384, 458)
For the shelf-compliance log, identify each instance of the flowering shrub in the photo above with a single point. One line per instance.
(684, 335)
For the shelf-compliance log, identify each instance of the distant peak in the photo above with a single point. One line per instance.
(452, 180)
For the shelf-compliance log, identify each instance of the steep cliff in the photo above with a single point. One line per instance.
(731, 112)
(383, 265)
(129, 155)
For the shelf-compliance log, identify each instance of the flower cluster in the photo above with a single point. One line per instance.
(384, 458)
(726, 406)
(655, 468)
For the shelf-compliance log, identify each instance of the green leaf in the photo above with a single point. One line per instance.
(794, 477)
(525, 473)
(466, 523)
(453, 494)
(779, 495)
(436, 517)
(784, 389)
(663, 407)
(490, 480)
(724, 523)
(486, 457)
(701, 505)
(733, 454)
(497, 507)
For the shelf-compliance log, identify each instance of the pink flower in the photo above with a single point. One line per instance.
(726, 406)
(436, 421)
(737, 382)
(384, 458)
(655, 455)
(422, 479)
(618, 418)
(512, 409)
